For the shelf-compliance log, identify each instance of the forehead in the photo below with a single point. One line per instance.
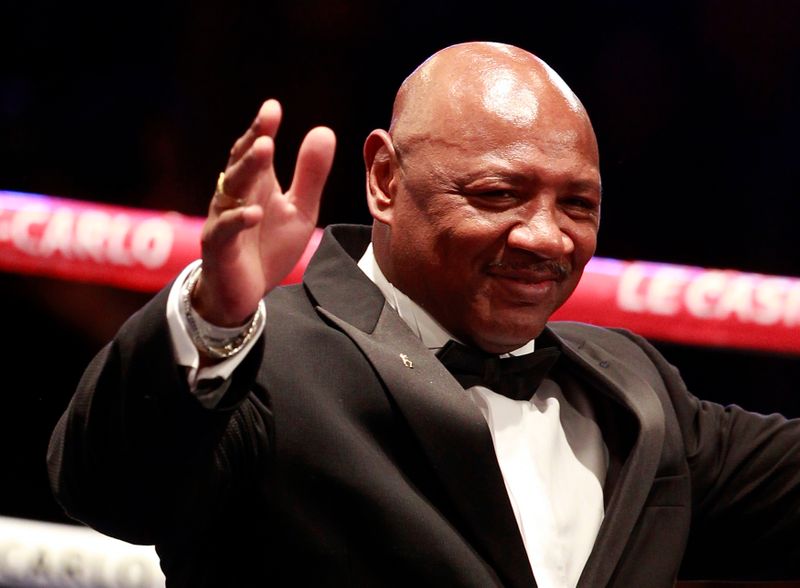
(487, 109)
(500, 110)
(517, 96)
(497, 145)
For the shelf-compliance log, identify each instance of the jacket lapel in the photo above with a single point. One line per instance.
(453, 433)
(629, 392)
(449, 427)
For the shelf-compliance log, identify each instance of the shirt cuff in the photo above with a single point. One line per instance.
(186, 353)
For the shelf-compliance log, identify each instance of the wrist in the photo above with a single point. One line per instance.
(213, 340)
(213, 310)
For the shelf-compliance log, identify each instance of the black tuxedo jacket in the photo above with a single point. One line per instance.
(332, 461)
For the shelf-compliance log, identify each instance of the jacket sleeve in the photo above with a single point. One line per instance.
(135, 454)
(745, 471)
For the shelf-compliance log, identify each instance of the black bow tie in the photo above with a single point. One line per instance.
(515, 377)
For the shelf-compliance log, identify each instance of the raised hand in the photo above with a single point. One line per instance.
(255, 232)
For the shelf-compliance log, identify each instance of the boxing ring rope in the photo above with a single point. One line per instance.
(144, 249)
(34, 553)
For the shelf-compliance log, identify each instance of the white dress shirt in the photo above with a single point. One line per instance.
(550, 450)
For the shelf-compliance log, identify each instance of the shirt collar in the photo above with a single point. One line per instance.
(422, 324)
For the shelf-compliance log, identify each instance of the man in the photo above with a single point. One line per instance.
(337, 449)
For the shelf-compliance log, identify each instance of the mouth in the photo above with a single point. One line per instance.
(541, 271)
(528, 283)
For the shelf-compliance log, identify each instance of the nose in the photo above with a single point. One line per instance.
(541, 234)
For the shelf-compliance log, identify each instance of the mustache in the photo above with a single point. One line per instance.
(548, 267)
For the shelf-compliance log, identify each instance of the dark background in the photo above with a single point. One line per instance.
(695, 104)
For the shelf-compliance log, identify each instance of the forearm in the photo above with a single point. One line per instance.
(202, 372)
(135, 449)
(745, 473)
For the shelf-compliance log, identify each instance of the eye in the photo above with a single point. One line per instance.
(491, 196)
(579, 203)
(581, 208)
(494, 194)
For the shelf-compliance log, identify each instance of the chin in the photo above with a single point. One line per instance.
(502, 338)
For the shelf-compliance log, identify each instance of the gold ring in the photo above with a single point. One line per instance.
(224, 199)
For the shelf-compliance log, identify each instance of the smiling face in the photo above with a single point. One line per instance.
(486, 193)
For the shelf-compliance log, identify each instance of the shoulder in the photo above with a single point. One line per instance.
(614, 341)
(619, 346)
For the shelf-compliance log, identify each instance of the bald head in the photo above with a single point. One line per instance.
(480, 79)
(485, 193)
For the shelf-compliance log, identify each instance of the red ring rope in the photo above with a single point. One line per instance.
(145, 249)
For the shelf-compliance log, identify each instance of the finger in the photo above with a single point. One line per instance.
(227, 226)
(223, 200)
(314, 161)
(254, 168)
(265, 124)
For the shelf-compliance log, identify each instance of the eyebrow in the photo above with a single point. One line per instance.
(583, 185)
(501, 171)
(586, 186)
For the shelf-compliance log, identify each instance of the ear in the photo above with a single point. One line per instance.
(382, 171)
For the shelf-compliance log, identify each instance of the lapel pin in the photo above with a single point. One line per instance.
(406, 361)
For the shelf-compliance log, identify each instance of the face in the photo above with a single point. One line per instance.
(491, 220)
